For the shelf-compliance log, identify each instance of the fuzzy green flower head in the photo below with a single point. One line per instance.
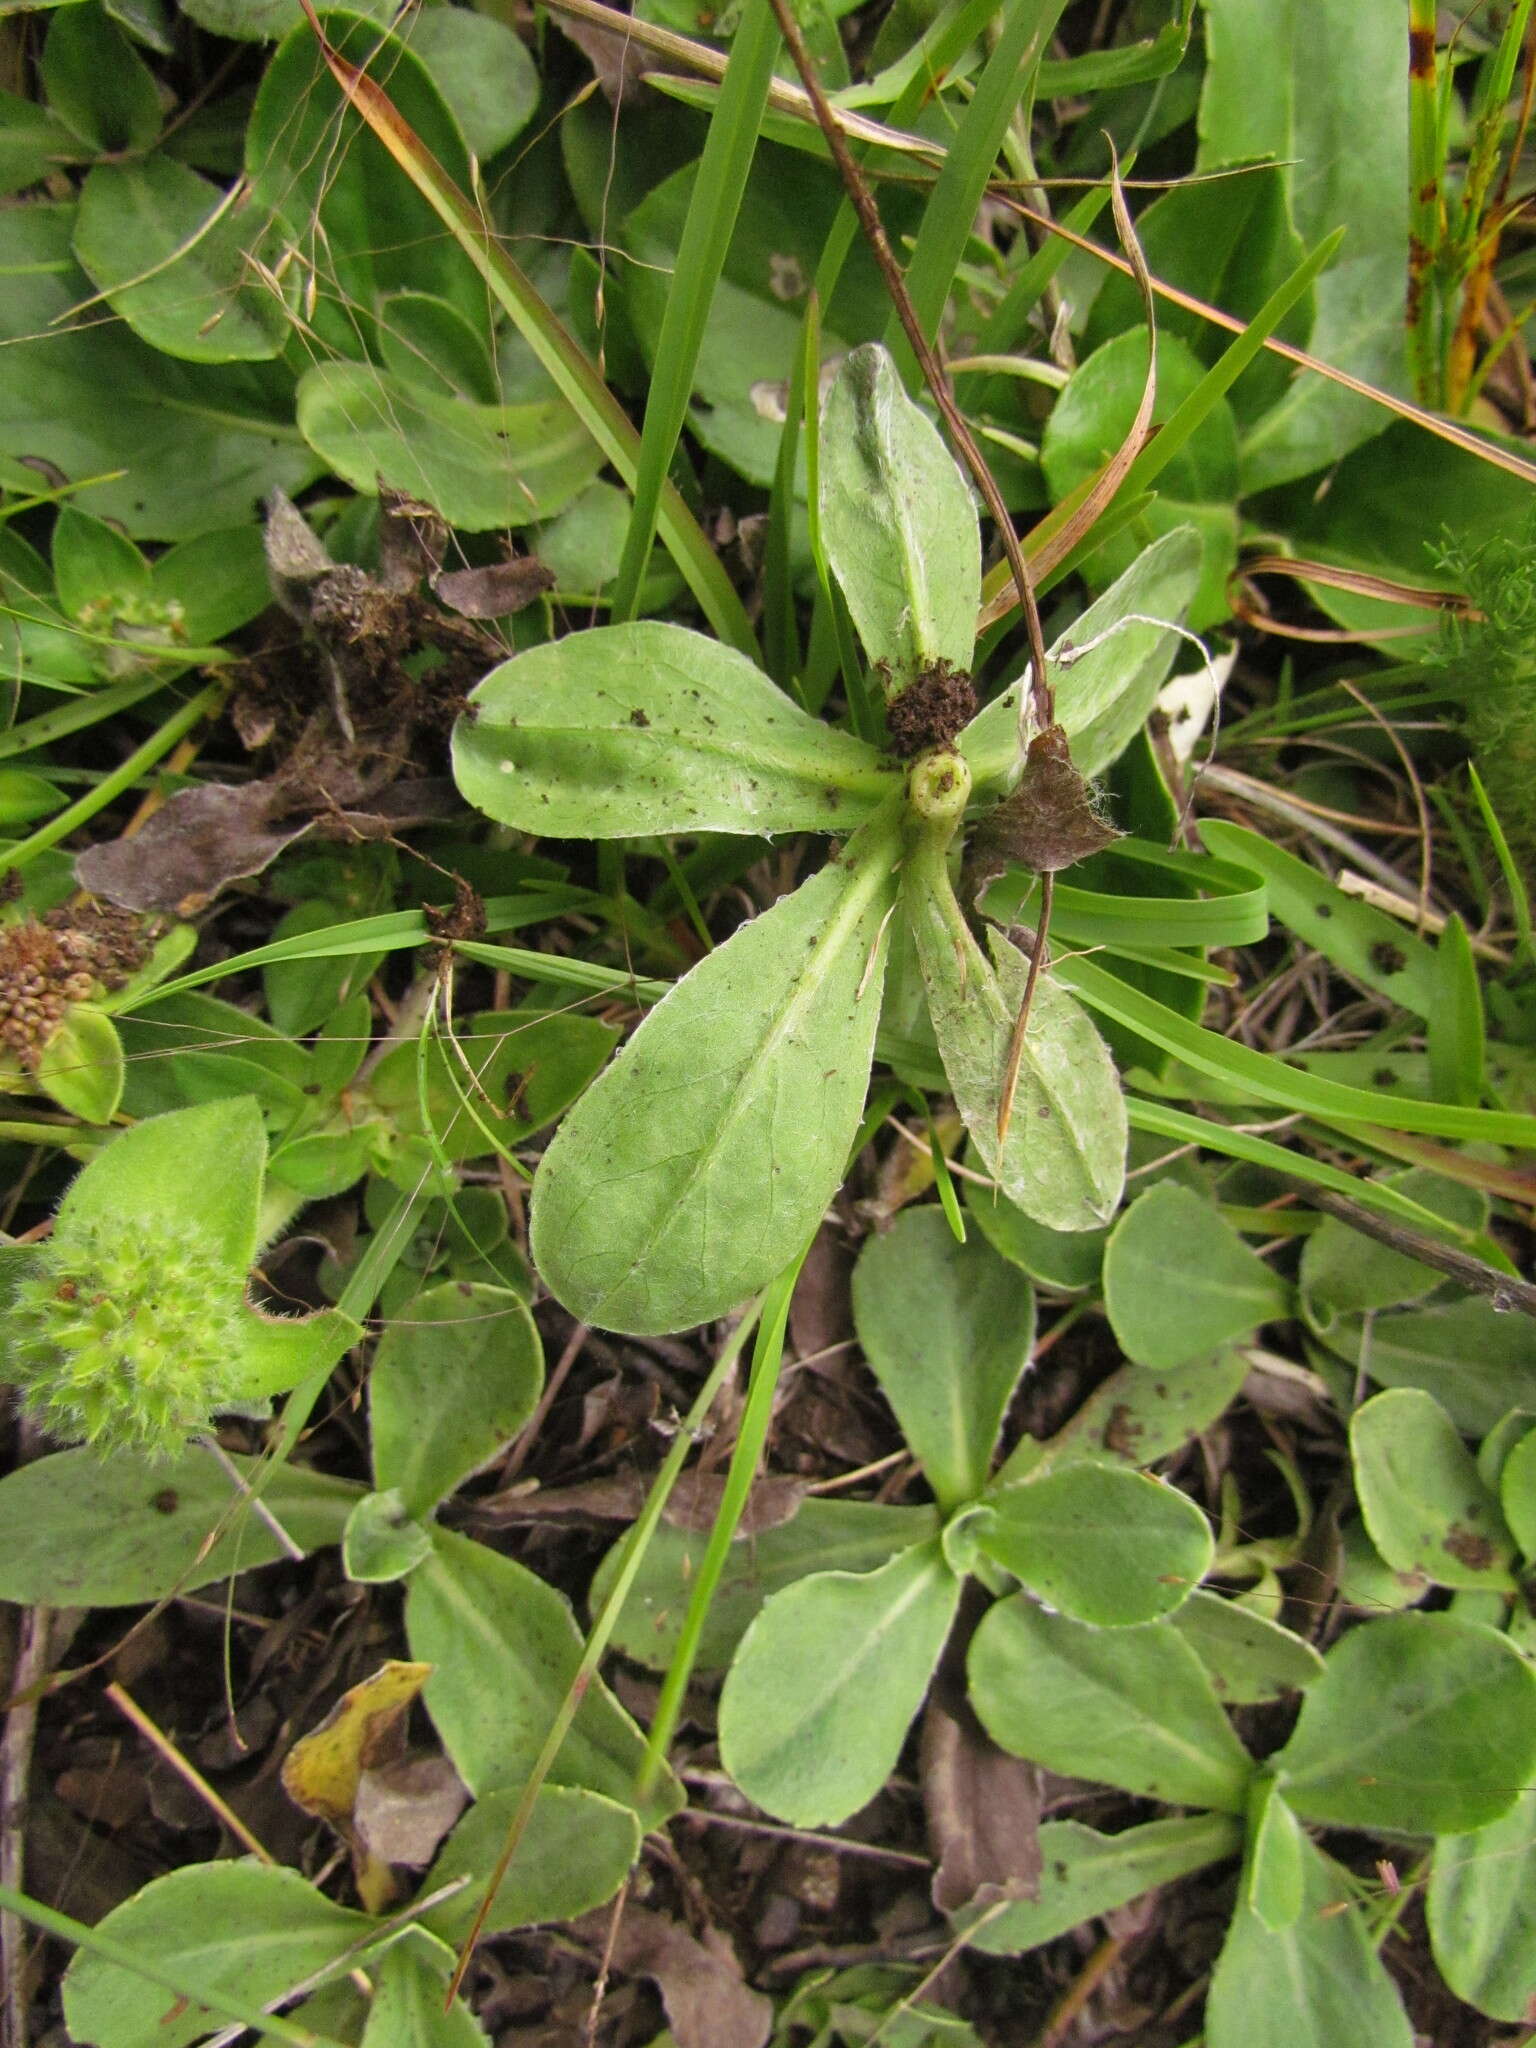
(125, 1339)
(129, 1330)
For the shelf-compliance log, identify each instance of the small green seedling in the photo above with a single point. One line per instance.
(129, 1328)
(701, 1161)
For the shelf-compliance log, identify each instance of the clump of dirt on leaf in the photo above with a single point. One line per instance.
(933, 710)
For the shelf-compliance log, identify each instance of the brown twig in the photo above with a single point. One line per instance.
(1504, 1291)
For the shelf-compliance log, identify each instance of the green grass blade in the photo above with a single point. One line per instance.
(1002, 95)
(572, 370)
(1271, 1080)
(717, 192)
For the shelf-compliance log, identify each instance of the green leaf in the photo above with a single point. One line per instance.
(823, 1535)
(1482, 1912)
(650, 728)
(248, 1929)
(481, 466)
(470, 1364)
(96, 569)
(1248, 1657)
(1106, 1545)
(32, 143)
(702, 1160)
(1128, 1706)
(1419, 1723)
(1067, 1260)
(1422, 1497)
(1456, 1030)
(1344, 1272)
(274, 1353)
(234, 438)
(1274, 1868)
(380, 1542)
(97, 82)
(198, 1169)
(827, 1681)
(406, 2010)
(947, 1329)
(1314, 1984)
(481, 69)
(1138, 1415)
(314, 163)
(81, 1065)
(78, 1530)
(505, 1650)
(1517, 1492)
(575, 1852)
(898, 523)
(516, 1070)
(173, 258)
(1063, 1162)
(1474, 1359)
(1179, 1281)
(1196, 490)
(1106, 694)
(1085, 1874)
(1288, 80)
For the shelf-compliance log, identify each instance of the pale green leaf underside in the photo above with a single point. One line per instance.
(700, 1163)
(827, 1680)
(1063, 1160)
(897, 521)
(1103, 698)
(634, 729)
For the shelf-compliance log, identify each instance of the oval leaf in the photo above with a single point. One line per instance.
(1422, 1497)
(827, 1681)
(1063, 1161)
(650, 728)
(1128, 1706)
(700, 1163)
(947, 1329)
(1105, 1544)
(897, 521)
(82, 1065)
(247, 1929)
(1314, 1984)
(469, 1361)
(506, 1648)
(575, 1852)
(1419, 1723)
(1482, 1912)
(77, 1530)
(1179, 1281)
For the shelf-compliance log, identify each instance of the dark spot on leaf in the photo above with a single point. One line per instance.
(1387, 958)
(1122, 1432)
(1468, 1547)
(1384, 1077)
(1323, 909)
(638, 717)
(166, 1501)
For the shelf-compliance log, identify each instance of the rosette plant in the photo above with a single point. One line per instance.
(699, 1163)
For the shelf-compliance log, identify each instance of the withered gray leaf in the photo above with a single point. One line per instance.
(496, 590)
(1048, 822)
(297, 558)
(404, 1809)
(707, 2000)
(982, 1807)
(196, 842)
